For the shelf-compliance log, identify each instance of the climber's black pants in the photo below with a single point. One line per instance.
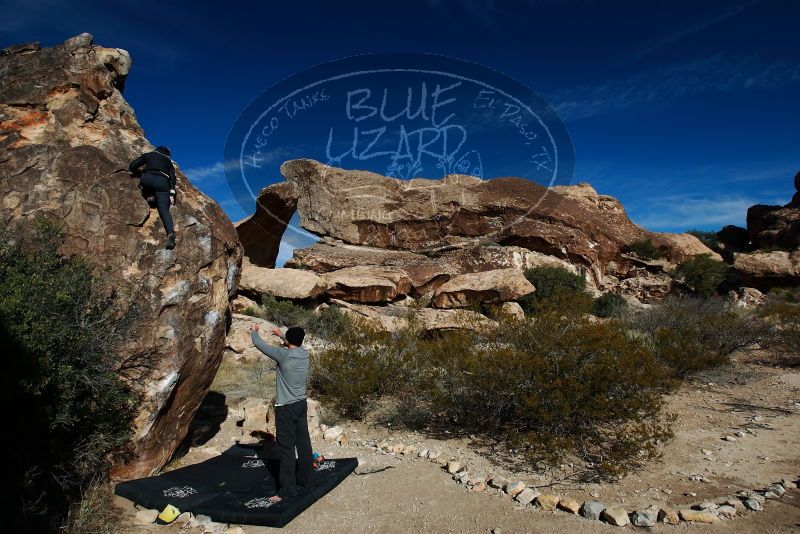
(158, 186)
(291, 425)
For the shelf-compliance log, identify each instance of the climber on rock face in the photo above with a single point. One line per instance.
(156, 175)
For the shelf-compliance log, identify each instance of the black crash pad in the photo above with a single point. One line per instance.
(233, 488)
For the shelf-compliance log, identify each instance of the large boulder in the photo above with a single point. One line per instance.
(330, 255)
(501, 285)
(238, 343)
(766, 269)
(368, 283)
(645, 286)
(67, 136)
(282, 283)
(260, 234)
(776, 226)
(429, 217)
(395, 318)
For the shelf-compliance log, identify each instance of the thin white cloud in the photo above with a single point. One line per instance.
(215, 170)
(219, 168)
(716, 74)
(694, 27)
(684, 212)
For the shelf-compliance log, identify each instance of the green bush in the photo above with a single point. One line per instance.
(283, 312)
(363, 365)
(709, 239)
(609, 305)
(702, 274)
(693, 334)
(556, 387)
(330, 322)
(556, 288)
(60, 329)
(644, 249)
(781, 313)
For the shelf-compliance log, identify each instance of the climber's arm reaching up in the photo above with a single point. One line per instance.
(279, 354)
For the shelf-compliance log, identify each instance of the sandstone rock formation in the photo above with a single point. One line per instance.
(774, 234)
(282, 283)
(429, 216)
(776, 226)
(66, 138)
(497, 286)
(764, 269)
(383, 238)
(394, 318)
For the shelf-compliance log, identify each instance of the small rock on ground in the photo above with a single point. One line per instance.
(145, 517)
(697, 516)
(526, 496)
(592, 510)
(752, 504)
(616, 516)
(547, 502)
(333, 433)
(726, 511)
(513, 488)
(569, 505)
(668, 516)
(645, 518)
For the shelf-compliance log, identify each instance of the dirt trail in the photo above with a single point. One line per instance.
(395, 493)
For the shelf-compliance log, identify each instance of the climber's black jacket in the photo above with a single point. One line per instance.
(157, 163)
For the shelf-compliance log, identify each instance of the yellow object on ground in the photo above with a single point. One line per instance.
(169, 514)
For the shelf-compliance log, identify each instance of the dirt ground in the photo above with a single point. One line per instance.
(396, 493)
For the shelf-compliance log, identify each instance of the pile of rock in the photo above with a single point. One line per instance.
(526, 495)
(442, 245)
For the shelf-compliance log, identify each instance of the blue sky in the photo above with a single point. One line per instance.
(687, 111)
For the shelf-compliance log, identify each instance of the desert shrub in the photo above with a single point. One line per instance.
(556, 288)
(781, 313)
(363, 365)
(328, 323)
(609, 305)
(644, 249)
(556, 387)
(692, 334)
(283, 312)
(709, 239)
(96, 512)
(60, 329)
(560, 386)
(702, 274)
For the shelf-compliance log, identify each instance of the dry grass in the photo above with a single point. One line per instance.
(237, 380)
(96, 512)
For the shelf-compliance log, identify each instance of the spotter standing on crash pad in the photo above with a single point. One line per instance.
(291, 423)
